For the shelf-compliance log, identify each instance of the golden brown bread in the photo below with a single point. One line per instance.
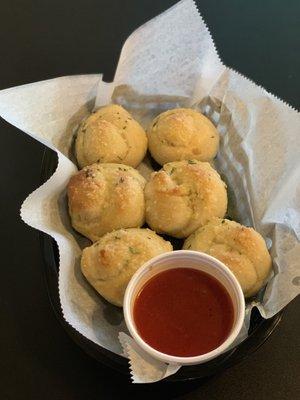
(109, 263)
(182, 134)
(182, 196)
(104, 197)
(110, 135)
(242, 249)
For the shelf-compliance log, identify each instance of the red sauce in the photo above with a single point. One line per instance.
(183, 312)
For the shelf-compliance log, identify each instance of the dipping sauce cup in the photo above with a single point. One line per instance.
(184, 307)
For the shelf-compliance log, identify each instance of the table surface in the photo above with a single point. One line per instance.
(50, 38)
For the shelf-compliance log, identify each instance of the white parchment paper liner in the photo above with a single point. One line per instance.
(170, 61)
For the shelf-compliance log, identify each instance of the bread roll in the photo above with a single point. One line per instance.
(110, 135)
(182, 134)
(104, 197)
(242, 249)
(109, 263)
(182, 196)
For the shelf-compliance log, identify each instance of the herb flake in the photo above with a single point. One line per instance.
(134, 250)
(89, 173)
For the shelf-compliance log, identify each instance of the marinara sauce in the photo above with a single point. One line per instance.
(183, 312)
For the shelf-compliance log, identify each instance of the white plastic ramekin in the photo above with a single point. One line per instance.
(185, 259)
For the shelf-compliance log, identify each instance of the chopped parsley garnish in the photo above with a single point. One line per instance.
(134, 250)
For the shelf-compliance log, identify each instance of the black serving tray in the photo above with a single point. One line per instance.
(260, 329)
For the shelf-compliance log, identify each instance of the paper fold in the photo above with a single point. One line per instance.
(143, 367)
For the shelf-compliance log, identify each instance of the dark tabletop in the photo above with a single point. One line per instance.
(48, 38)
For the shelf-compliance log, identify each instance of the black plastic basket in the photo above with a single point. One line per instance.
(260, 329)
